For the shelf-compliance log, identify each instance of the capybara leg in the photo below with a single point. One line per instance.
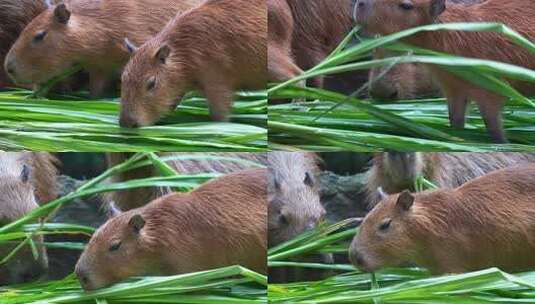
(219, 101)
(491, 111)
(457, 106)
(280, 66)
(98, 82)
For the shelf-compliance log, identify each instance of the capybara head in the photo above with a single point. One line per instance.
(151, 84)
(384, 237)
(119, 249)
(45, 48)
(16, 200)
(390, 16)
(294, 206)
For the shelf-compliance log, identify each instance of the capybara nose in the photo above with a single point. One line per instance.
(356, 258)
(83, 277)
(127, 122)
(10, 67)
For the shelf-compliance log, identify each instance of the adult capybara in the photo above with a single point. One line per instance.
(389, 16)
(293, 206)
(15, 15)
(26, 179)
(221, 223)
(87, 33)
(217, 47)
(183, 163)
(394, 172)
(404, 81)
(487, 222)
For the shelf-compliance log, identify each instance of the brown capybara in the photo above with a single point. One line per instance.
(393, 172)
(487, 222)
(15, 15)
(26, 179)
(221, 223)
(217, 47)
(293, 206)
(183, 163)
(87, 33)
(404, 81)
(403, 14)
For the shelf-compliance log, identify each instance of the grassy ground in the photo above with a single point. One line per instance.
(232, 284)
(74, 123)
(338, 122)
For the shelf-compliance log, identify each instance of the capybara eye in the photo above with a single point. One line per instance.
(39, 36)
(115, 246)
(283, 219)
(151, 84)
(385, 224)
(406, 5)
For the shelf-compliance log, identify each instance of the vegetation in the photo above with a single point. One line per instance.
(233, 284)
(335, 121)
(74, 123)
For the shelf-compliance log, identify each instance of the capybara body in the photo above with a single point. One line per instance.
(221, 223)
(404, 81)
(394, 172)
(293, 206)
(87, 33)
(219, 162)
(15, 15)
(487, 222)
(26, 179)
(401, 15)
(218, 47)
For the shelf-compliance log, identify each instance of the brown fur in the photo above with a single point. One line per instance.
(221, 223)
(385, 17)
(134, 198)
(395, 172)
(15, 15)
(487, 222)
(293, 207)
(217, 47)
(26, 179)
(93, 37)
(405, 81)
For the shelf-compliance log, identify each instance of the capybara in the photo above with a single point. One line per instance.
(404, 81)
(190, 163)
(293, 205)
(487, 222)
(217, 47)
(15, 15)
(394, 172)
(87, 33)
(221, 223)
(389, 16)
(25, 180)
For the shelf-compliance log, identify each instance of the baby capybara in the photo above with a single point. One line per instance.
(293, 207)
(87, 33)
(393, 172)
(389, 16)
(183, 163)
(217, 47)
(221, 223)
(487, 222)
(26, 179)
(15, 15)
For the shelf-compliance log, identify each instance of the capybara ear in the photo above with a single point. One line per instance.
(163, 53)
(437, 7)
(382, 194)
(25, 173)
(130, 46)
(405, 200)
(137, 223)
(309, 180)
(62, 14)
